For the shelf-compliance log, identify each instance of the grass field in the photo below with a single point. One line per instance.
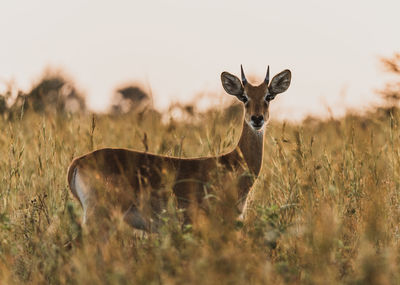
(325, 209)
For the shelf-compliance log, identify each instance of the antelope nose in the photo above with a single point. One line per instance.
(257, 119)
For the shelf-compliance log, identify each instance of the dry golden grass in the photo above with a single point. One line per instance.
(325, 209)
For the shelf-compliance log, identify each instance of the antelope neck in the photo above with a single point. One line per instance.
(251, 144)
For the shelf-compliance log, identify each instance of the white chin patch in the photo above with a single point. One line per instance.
(256, 128)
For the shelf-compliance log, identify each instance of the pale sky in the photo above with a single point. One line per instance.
(180, 48)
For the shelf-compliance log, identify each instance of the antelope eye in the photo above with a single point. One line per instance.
(269, 98)
(244, 99)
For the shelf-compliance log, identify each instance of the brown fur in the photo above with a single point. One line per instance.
(137, 183)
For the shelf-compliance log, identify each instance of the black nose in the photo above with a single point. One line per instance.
(257, 119)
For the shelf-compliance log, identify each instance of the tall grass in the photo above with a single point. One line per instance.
(324, 210)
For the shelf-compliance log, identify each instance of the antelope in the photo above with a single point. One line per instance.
(117, 178)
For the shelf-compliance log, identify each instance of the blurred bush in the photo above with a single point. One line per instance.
(9, 91)
(54, 93)
(129, 99)
(391, 91)
(3, 105)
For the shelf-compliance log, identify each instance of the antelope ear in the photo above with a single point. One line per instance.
(280, 83)
(232, 84)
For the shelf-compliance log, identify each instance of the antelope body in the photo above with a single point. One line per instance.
(127, 180)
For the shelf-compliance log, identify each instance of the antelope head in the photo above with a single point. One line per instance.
(256, 99)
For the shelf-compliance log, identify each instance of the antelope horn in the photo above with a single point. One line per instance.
(244, 80)
(266, 80)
